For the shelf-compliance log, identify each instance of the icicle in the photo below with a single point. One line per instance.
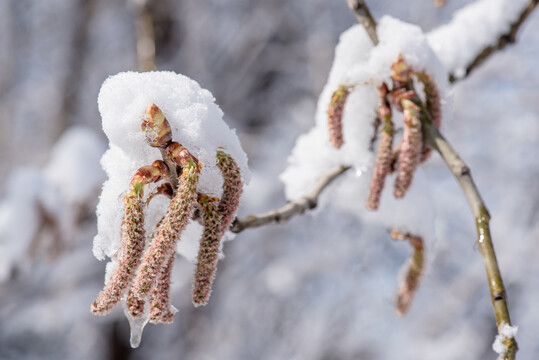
(136, 325)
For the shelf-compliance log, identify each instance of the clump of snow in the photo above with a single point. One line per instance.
(74, 165)
(507, 332)
(357, 63)
(196, 123)
(457, 46)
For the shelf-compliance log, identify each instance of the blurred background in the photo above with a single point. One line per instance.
(321, 287)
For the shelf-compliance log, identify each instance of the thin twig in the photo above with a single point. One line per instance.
(145, 36)
(463, 175)
(292, 208)
(363, 15)
(505, 39)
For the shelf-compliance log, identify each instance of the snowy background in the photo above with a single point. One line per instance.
(321, 287)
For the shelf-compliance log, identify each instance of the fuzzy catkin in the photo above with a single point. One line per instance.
(432, 105)
(411, 281)
(133, 239)
(208, 253)
(160, 298)
(384, 158)
(335, 113)
(232, 189)
(168, 232)
(432, 96)
(410, 148)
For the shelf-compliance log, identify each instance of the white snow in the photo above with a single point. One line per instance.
(358, 63)
(507, 332)
(457, 45)
(74, 165)
(196, 123)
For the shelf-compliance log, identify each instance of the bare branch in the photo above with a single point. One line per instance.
(292, 208)
(145, 36)
(363, 15)
(504, 40)
(463, 175)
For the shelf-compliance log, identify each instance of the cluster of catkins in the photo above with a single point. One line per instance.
(412, 150)
(143, 271)
(405, 157)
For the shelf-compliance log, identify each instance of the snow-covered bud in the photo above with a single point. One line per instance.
(168, 232)
(232, 189)
(396, 96)
(156, 127)
(145, 175)
(401, 73)
(208, 252)
(181, 156)
(160, 311)
(335, 113)
(384, 158)
(412, 278)
(410, 148)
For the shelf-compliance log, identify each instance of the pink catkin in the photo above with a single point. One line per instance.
(432, 105)
(135, 306)
(335, 113)
(384, 158)
(168, 232)
(232, 189)
(160, 298)
(432, 95)
(410, 148)
(133, 238)
(410, 283)
(208, 253)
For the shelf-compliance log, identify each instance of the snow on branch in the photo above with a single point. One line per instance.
(495, 22)
(505, 39)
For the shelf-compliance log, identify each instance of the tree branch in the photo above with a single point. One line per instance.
(145, 36)
(292, 208)
(504, 40)
(463, 175)
(363, 15)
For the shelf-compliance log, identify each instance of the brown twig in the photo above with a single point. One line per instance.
(145, 36)
(505, 39)
(292, 208)
(363, 15)
(463, 175)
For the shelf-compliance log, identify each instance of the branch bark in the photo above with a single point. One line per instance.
(290, 209)
(145, 36)
(364, 17)
(482, 218)
(505, 39)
